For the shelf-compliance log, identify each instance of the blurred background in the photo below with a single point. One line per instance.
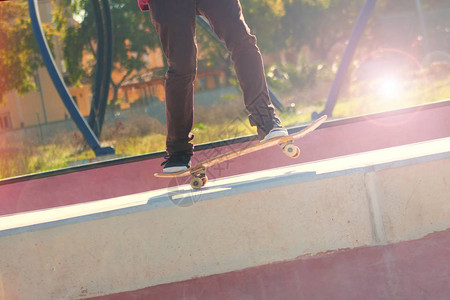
(401, 60)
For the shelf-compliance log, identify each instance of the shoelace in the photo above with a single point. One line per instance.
(166, 157)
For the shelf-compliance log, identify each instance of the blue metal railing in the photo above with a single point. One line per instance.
(63, 92)
(358, 30)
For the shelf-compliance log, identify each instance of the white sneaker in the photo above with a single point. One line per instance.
(276, 132)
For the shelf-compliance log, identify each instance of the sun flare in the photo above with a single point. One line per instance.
(389, 87)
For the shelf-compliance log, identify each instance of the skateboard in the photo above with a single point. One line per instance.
(198, 171)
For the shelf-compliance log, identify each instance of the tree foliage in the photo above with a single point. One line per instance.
(133, 38)
(291, 24)
(278, 24)
(19, 56)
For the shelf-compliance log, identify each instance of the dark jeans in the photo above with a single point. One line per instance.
(175, 22)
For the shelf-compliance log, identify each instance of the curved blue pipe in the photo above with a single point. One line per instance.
(59, 83)
(358, 30)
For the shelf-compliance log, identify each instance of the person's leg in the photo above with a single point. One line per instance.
(175, 22)
(227, 21)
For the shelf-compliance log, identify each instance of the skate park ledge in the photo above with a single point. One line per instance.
(126, 243)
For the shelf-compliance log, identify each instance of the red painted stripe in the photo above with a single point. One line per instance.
(418, 269)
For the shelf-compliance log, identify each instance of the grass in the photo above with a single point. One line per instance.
(219, 122)
(415, 93)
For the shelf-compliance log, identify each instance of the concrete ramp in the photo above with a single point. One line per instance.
(372, 225)
(128, 176)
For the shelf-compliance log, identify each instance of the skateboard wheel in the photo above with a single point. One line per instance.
(204, 179)
(292, 151)
(197, 182)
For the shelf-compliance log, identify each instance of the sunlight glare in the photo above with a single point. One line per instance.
(389, 87)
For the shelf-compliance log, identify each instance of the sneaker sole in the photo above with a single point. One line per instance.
(275, 134)
(174, 169)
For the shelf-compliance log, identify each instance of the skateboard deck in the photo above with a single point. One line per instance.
(198, 171)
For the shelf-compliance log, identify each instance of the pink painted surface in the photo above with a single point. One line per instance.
(418, 269)
(335, 138)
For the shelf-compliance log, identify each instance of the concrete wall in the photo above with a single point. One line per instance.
(235, 223)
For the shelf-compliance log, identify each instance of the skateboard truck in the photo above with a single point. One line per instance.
(199, 178)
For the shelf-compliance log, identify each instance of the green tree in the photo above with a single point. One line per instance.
(133, 36)
(319, 24)
(291, 24)
(264, 19)
(19, 56)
